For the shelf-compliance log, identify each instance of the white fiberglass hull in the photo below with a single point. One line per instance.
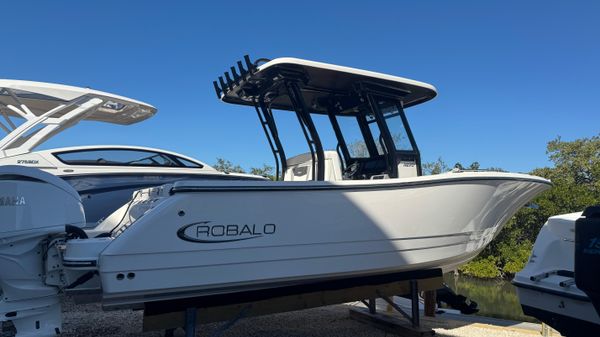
(214, 237)
(546, 286)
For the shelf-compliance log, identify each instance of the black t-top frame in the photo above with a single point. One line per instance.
(314, 88)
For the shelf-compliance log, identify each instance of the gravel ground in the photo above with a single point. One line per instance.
(90, 320)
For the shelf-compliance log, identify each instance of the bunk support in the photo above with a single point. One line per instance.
(414, 298)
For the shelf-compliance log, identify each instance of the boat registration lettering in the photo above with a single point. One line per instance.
(207, 232)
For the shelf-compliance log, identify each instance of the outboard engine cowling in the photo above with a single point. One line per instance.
(35, 207)
(587, 254)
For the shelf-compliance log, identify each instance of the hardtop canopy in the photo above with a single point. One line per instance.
(40, 97)
(308, 87)
(32, 112)
(321, 82)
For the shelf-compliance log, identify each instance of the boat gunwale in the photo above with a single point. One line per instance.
(302, 186)
(547, 290)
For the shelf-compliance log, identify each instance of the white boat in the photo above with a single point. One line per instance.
(547, 287)
(104, 175)
(187, 243)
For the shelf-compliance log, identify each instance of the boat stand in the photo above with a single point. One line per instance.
(190, 322)
(230, 308)
(390, 323)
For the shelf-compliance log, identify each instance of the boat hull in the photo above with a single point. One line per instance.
(209, 238)
(571, 316)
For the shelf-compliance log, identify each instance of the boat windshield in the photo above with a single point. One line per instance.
(373, 142)
(391, 113)
(123, 157)
(353, 137)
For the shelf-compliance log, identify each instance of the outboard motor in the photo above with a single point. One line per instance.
(587, 254)
(35, 207)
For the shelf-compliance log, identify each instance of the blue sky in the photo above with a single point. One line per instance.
(511, 75)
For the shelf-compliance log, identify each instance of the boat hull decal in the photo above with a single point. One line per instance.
(207, 232)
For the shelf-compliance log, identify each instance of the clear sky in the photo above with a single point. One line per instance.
(511, 75)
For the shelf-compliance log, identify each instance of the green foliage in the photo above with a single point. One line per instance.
(513, 256)
(484, 267)
(439, 166)
(265, 171)
(474, 166)
(436, 167)
(578, 161)
(576, 179)
(228, 167)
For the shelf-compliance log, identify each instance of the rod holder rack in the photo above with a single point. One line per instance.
(233, 78)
